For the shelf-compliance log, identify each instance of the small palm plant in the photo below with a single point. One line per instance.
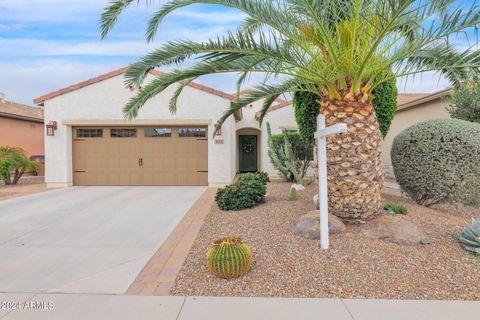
(13, 160)
(339, 49)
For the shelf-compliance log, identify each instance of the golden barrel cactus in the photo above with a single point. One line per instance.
(229, 257)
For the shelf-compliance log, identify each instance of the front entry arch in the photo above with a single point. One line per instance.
(248, 153)
(249, 150)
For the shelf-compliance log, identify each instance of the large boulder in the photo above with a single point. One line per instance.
(308, 225)
(395, 229)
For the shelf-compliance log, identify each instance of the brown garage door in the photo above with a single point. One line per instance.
(140, 156)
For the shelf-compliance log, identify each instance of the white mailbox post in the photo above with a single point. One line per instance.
(321, 136)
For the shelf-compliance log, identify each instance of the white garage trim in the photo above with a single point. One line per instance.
(137, 122)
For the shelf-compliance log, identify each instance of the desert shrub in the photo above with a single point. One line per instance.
(248, 191)
(465, 102)
(259, 176)
(439, 160)
(393, 208)
(13, 160)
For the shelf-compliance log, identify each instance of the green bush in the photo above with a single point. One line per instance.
(13, 160)
(385, 104)
(393, 208)
(248, 191)
(465, 102)
(307, 108)
(259, 176)
(439, 160)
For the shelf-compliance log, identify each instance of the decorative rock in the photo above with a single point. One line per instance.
(395, 229)
(308, 225)
(297, 187)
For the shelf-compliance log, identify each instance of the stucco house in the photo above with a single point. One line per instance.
(21, 126)
(94, 145)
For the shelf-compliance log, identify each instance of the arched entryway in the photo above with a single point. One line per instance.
(248, 151)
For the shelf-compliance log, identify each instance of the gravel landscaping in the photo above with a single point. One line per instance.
(356, 266)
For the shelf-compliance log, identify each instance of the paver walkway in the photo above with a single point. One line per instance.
(159, 274)
(125, 307)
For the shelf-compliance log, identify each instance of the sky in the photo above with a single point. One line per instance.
(46, 45)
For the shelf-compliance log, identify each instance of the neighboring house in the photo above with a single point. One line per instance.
(95, 145)
(414, 108)
(21, 126)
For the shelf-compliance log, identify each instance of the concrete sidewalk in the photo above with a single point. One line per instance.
(119, 307)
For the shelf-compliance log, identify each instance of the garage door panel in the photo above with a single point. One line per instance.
(168, 148)
(169, 178)
(169, 163)
(181, 163)
(166, 159)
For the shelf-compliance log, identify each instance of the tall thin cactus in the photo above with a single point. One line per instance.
(283, 157)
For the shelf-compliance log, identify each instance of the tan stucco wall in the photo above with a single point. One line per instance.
(405, 118)
(24, 134)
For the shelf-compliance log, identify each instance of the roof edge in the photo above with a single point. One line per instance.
(40, 100)
(428, 98)
(20, 117)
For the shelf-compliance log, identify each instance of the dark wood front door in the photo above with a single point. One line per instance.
(248, 154)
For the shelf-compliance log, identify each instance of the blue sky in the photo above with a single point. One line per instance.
(46, 45)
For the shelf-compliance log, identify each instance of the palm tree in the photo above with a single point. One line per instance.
(340, 49)
(14, 160)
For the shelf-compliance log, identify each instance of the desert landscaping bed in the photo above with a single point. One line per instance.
(26, 185)
(356, 266)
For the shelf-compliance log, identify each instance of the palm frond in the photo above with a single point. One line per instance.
(172, 105)
(312, 45)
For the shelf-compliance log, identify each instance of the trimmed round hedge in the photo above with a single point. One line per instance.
(439, 160)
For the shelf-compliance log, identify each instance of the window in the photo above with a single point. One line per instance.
(192, 132)
(157, 132)
(89, 133)
(123, 133)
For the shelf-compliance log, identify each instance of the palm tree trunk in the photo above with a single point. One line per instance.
(355, 176)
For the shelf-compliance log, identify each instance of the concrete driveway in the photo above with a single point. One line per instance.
(86, 239)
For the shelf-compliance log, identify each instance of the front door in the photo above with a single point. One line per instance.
(248, 154)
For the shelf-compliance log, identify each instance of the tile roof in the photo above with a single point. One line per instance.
(20, 111)
(42, 99)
